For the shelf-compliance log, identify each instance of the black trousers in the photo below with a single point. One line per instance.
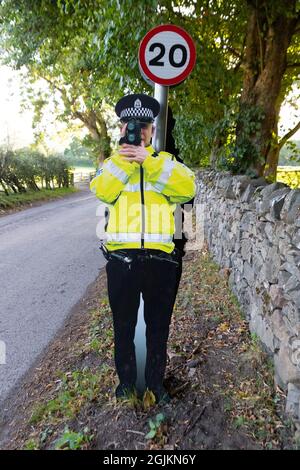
(157, 278)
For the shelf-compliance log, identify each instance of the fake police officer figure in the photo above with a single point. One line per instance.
(142, 188)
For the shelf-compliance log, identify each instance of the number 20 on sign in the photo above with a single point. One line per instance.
(167, 55)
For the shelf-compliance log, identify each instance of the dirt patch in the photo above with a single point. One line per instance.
(220, 380)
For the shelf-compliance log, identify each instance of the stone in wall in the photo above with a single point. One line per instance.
(291, 312)
(293, 400)
(291, 208)
(285, 371)
(272, 264)
(296, 239)
(272, 198)
(246, 250)
(277, 297)
(260, 326)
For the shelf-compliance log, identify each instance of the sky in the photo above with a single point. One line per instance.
(15, 128)
(16, 125)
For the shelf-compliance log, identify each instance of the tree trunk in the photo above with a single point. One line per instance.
(98, 130)
(265, 62)
(32, 185)
(217, 146)
(4, 187)
(14, 183)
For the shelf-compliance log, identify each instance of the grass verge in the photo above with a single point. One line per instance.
(14, 201)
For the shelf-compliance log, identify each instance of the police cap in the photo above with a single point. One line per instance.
(139, 106)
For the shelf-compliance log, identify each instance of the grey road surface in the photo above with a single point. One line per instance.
(48, 257)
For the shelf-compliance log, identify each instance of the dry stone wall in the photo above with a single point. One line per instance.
(253, 229)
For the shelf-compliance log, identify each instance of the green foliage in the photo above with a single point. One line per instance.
(54, 43)
(240, 421)
(96, 147)
(101, 339)
(71, 440)
(78, 153)
(22, 199)
(77, 388)
(31, 444)
(196, 149)
(241, 153)
(290, 153)
(87, 52)
(289, 176)
(155, 426)
(26, 169)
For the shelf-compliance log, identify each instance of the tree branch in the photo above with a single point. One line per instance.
(287, 136)
(233, 51)
(294, 64)
(63, 92)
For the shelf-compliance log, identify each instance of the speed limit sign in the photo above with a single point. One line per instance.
(167, 55)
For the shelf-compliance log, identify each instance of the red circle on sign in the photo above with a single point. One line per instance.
(142, 51)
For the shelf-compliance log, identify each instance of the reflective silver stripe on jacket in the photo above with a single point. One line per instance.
(133, 188)
(121, 175)
(136, 237)
(165, 175)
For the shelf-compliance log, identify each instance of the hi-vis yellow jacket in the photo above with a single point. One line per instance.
(142, 199)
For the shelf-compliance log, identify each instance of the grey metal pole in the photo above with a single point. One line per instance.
(161, 94)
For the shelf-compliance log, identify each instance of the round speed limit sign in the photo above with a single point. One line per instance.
(167, 55)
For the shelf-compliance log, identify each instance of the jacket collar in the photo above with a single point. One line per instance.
(150, 149)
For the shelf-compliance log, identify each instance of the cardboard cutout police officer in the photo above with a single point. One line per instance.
(142, 188)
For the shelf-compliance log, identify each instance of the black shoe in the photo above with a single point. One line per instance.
(161, 395)
(124, 391)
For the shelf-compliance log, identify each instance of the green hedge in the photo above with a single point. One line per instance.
(27, 170)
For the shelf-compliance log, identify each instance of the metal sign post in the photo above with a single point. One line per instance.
(161, 94)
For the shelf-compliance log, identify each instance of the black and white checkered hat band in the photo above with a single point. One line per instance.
(137, 112)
